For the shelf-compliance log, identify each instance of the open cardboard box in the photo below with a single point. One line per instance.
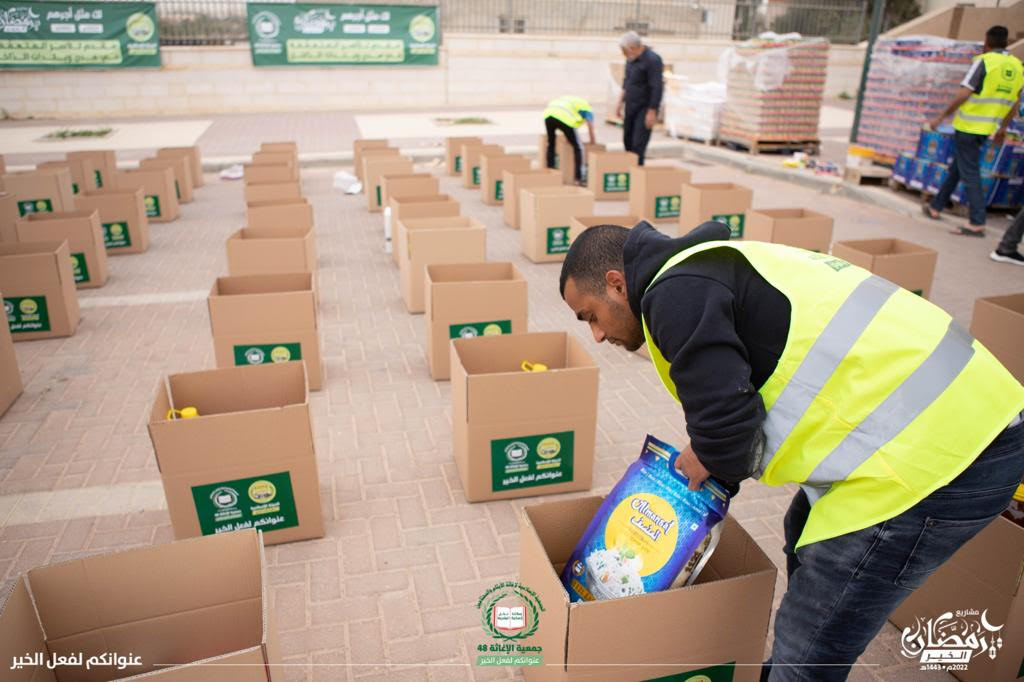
(492, 182)
(359, 147)
(40, 191)
(793, 226)
(582, 222)
(417, 206)
(471, 299)
(722, 201)
(272, 191)
(122, 215)
(10, 378)
(104, 161)
(422, 241)
(292, 213)
(609, 174)
(190, 611)
(282, 146)
(83, 173)
(195, 161)
(82, 231)
(998, 323)
(514, 181)
(264, 250)
(546, 215)
(39, 290)
(269, 172)
(904, 263)
(159, 195)
(471, 154)
(181, 166)
(374, 168)
(518, 433)
(453, 152)
(264, 158)
(406, 185)
(656, 194)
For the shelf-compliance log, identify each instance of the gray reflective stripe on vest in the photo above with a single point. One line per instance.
(979, 119)
(991, 100)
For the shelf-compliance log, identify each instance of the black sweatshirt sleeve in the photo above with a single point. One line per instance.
(711, 371)
(655, 80)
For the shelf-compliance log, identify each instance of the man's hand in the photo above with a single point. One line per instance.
(999, 136)
(691, 467)
(650, 118)
(934, 123)
(620, 110)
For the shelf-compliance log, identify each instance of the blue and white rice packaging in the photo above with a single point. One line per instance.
(651, 532)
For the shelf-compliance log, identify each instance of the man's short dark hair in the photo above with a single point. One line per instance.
(997, 37)
(596, 251)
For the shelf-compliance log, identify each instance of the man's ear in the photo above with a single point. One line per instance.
(616, 280)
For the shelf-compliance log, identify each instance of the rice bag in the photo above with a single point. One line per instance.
(651, 533)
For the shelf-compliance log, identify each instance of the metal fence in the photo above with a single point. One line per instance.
(223, 22)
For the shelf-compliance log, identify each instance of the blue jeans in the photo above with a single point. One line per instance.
(966, 158)
(842, 590)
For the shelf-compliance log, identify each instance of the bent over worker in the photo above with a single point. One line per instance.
(902, 432)
(567, 113)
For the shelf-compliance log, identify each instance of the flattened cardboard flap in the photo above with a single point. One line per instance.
(21, 634)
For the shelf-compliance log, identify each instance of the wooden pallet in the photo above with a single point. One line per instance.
(766, 146)
(867, 175)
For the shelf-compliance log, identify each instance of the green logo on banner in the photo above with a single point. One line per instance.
(116, 235)
(476, 175)
(499, 190)
(79, 267)
(616, 182)
(140, 27)
(378, 195)
(263, 502)
(177, 190)
(531, 461)
(735, 221)
(468, 330)
(99, 178)
(152, 206)
(667, 207)
(558, 239)
(265, 353)
(716, 673)
(458, 163)
(29, 206)
(74, 188)
(27, 314)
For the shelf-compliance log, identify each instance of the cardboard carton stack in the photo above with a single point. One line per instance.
(273, 174)
(471, 153)
(425, 241)
(415, 206)
(453, 153)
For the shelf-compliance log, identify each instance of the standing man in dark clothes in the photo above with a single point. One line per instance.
(641, 94)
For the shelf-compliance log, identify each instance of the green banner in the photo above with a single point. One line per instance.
(76, 35)
(27, 314)
(530, 461)
(263, 502)
(286, 34)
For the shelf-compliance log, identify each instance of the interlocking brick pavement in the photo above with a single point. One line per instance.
(389, 593)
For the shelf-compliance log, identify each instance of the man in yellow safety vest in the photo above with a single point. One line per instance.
(903, 434)
(983, 107)
(567, 113)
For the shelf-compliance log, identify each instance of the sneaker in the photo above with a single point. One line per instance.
(1015, 258)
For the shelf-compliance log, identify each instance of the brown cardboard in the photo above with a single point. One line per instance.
(265, 250)
(360, 146)
(423, 241)
(609, 174)
(546, 217)
(656, 192)
(201, 602)
(909, 265)
(372, 152)
(406, 185)
(182, 167)
(294, 213)
(496, 405)
(3, 165)
(272, 191)
(793, 226)
(563, 150)
(998, 323)
(492, 179)
(159, 195)
(8, 217)
(195, 160)
(290, 147)
(425, 206)
(471, 153)
(254, 423)
(10, 378)
(83, 173)
(514, 181)
(263, 158)
(84, 235)
(722, 201)
(721, 620)
(266, 310)
(122, 214)
(582, 222)
(266, 172)
(374, 167)
(471, 299)
(40, 191)
(38, 270)
(453, 153)
(986, 575)
(105, 161)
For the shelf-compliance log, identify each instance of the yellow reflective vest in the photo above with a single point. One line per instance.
(567, 109)
(879, 397)
(982, 113)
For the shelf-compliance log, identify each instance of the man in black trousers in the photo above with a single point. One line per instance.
(641, 93)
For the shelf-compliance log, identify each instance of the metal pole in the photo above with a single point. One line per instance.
(878, 11)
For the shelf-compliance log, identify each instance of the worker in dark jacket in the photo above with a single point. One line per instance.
(641, 94)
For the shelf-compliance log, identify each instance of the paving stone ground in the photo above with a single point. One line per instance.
(389, 593)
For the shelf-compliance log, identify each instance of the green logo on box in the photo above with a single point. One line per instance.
(458, 163)
(716, 673)
(470, 329)
(99, 178)
(265, 353)
(735, 221)
(616, 182)
(74, 188)
(667, 207)
(499, 190)
(263, 502)
(152, 206)
(177, 190)
(79, 267)
(531, 461)
(476, 175)
(27, 314)
(29, 206)
(558, 239)
(116, 235)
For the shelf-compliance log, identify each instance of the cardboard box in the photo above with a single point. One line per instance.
(10, 378)
(720, 622)
(909, 265)
(903, 168)
(40, 191)
(190, 611)
(453, 152)
(471, 299)
(122, 214)
(722, 201)
(516, 433)
(920, 172)
(105, 161)
(998, 323)
(656, 194)
(423, 241)
(291, 147)
(262, 158)
(83, 173)
(986, 575)
(934, 145)
(546, 217)
(268, 318)
(265, 250)
(84, 235)
(793, 226)
(375, 153)
(360, 146)
(266, 172)
(39, 290)
(374, 167)
(609, 174)
(159, 195)
(195, 161)
(565, 157)
(582, 222)
(294, 213)
(514, 181)
(492, 178)
(182, 168)
(272, 191)
(471, 154)
(247, 461)
(8, 217)
(416, 206)
(406, 185)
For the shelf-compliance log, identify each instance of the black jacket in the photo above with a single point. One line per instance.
(644, 81)
(722, 327)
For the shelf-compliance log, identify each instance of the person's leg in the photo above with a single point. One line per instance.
(1011, 238)
(551, 124)
(940, 201)
(641, 135)
(627, 129)
(968, 158)
(577, 151)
